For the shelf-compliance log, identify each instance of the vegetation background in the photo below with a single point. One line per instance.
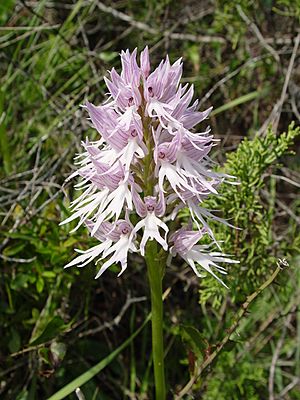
(243, 58)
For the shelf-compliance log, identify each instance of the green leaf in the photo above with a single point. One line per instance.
(194, 338)
(40, 284)
(44, 355)
(15, 249)
(58, 352)
(48, 274)
(20, 281)
(108, 56)
(70, 242)
(14, 343)
(54, 328)
(22, 395)
(14, 235)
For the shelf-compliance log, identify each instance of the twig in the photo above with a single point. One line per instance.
(289, 387)
(232, 329)
(275, 357)
(116, 320)
(79, 394)
(146, 28)
(286, 82)
(29, 28)
(294, 108)
(286, 180)
(13, 368)
(283, 206)
(18, 260)
(257, 33)
(274, 117)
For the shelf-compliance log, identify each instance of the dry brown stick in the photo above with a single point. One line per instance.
(79, 394)
(295, 108)
(232, 329)
(116, 320)
(295, 381)
(257, 33)
(146, 28)
(288, 180)
(286, 82)
(274, 117)
(17, 260)
(29, 28)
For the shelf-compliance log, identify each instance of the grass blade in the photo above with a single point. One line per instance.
(86, 376)
(240, 100)
(4, 141)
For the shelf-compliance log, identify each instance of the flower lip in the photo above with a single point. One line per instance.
(124, 228)
(150, 203)
(133, 133)
(130, 101)
(150, 91)
(161, 154)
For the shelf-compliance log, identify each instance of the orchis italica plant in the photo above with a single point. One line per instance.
(149, 161)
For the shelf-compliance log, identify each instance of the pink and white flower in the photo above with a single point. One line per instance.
(185, 244)
(116, 239)
(150, 209)
(149, 161)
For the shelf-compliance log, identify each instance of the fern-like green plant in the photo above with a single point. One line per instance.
(250, 206)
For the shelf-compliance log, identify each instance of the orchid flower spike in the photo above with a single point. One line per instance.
(148, 163)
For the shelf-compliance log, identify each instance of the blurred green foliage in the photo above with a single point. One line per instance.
(56, 324)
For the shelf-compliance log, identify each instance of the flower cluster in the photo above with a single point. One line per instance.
(149, 161)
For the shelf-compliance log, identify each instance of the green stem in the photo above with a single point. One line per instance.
(155, 274)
